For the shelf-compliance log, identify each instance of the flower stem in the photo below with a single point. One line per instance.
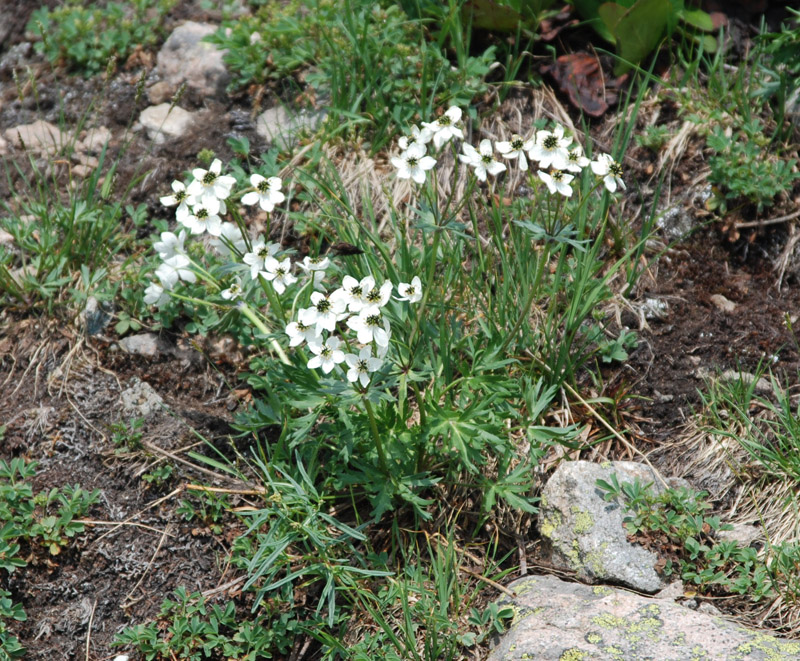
(373, 427)
(248, 312)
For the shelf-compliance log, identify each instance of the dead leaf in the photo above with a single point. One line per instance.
(581, 77)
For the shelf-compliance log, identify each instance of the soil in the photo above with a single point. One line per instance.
(60, 389)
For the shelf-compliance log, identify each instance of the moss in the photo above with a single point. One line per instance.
(698, 653)
(593, 638)
(583, 521)
(773, 649)
(608, 621)
(550, 523)
(614, 652)
(594, 560)
(572, 654)
(602, 590)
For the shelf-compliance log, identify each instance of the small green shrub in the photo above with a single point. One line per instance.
(84, 38)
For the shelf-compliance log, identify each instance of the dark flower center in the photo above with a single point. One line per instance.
(362, 366)
(516, 144)
(323, 306)
(263, 186)
(486, 158)
(263, 252)
(412, 162)
(615, 169)
(550, 142)
(209, 178)
(180, 196)
(374, 295)
(374, 320)
(202, 213)
(444, 120)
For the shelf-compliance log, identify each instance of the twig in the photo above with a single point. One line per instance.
(225, 586)
(771, 221)
(237, 492)
(489, 581)
(149, 564)
(89, 631)
(174, 457)
(142, 511)
(92, 522)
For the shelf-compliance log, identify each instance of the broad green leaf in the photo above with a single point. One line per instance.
(638, 30)
(699, 19)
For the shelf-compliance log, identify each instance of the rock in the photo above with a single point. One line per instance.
(655, 308)
(676, 222)
(94, 141)
(3, 146)
(724, 304)
(140, 400)
(282, 126)
(41, 136)
(556, 620)
(585, 534)
(144, 344)
(164, 122)
(185, 58)
(762, 386)
(96, 316)
(6, 238)
(160, 92)
(741, 533)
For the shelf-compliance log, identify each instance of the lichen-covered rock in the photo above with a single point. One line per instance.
(560, 621)
(585, 533)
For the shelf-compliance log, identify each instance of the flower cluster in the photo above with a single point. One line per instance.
(359, 306)
(199, 208)
(558, 159)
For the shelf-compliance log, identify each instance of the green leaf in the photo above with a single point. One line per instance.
(637, 30)
(699, 19)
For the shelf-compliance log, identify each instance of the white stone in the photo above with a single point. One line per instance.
(282, 126)
(164, 122)
(40, 136)
(94, 140)
(140, 400)
(185, 58)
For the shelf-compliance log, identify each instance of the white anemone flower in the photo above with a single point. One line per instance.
(170, 244)
(173, 269)
(576, 161)
(611, 172)
(324, 312)
(210, 184)
(315, 268)
(327, 355)
(516, 148)
(417, 137)
(230, 237)
(370, 326)
(375, 297)
(154, 294)
(257, 257)
(179, 197)
(267, 193)
(413, 163)
(203, 219)
(279, 273)
(446, 127)
(557, 182)
(411, 292)
(353, 292)
(361, 366)
(481, 159)
(551, 148)
(233, 292)
(298, 333)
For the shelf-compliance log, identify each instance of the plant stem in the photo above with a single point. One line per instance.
(248, 312)
(373, 427)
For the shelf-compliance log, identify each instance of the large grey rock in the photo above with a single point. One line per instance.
(148, 345)
(186, 58)
(585, 533)
(164, 122)
(556, 620)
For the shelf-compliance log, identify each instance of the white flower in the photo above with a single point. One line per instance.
(230, 236)
(417, 137)
(445, 127)
(203, 219)
(576, 161)
(326, 355)
(267, 192)
(233, 292)
(315, 267)
(258, 256)
(481, 159)
(170, 244)
(173, 269)
(375, 297)
(278, 273)
(370, 326)
(557, 182)
(353, 292)
(179, 197)
(298, 333)
(155, 295)
(610, 170)
(210, 184)
(410, 292)
(413, 163)
(361, 366)
(324, 312)
(551, 149)
(516, 148)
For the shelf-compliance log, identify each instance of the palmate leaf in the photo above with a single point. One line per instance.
(505, 15)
